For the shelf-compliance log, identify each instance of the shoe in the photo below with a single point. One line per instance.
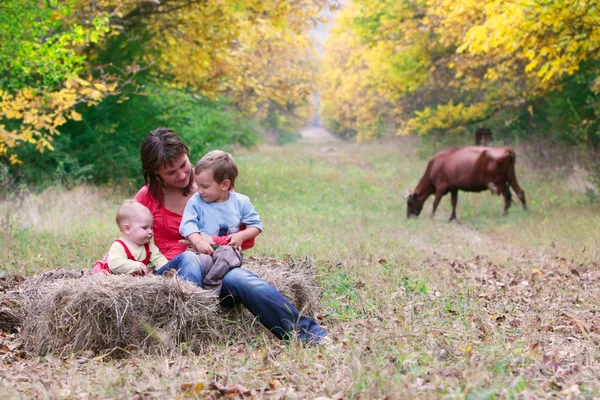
(325, 342)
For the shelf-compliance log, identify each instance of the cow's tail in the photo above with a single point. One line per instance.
(512, 160)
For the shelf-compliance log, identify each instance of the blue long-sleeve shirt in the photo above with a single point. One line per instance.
(200, 216)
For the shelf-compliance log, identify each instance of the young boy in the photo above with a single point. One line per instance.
(134, 252)
(217, 211)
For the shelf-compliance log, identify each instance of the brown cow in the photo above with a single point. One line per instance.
(471, 169)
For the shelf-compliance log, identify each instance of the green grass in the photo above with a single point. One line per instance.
(418, 308)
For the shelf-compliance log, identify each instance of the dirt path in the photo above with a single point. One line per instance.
(317, 135)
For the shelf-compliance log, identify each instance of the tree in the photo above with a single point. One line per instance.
(254, 53)
(43, 73)
(475, 60)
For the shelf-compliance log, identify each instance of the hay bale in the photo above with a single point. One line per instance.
(11, 303)
(49, 276)
(11, 318)
(69, 311)
(100, 313)
(294, 278)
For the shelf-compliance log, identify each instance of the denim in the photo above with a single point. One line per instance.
(273, 310)
(187, 265)
(241, 286)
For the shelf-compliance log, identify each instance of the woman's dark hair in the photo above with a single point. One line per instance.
(161, 147)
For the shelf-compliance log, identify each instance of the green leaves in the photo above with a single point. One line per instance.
(39, 48)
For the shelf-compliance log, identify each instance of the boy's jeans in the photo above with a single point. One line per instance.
(273, 310)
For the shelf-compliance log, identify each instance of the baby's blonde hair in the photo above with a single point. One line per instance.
(130, 209)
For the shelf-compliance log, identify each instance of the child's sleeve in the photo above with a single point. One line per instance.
(118, 261)
(250, 217)
(157, 259)
(191, 220)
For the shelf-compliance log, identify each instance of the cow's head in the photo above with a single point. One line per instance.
(413, 205)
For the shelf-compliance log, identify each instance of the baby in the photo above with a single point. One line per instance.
(134, 252)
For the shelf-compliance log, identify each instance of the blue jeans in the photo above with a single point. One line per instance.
(187, 265)
(273, 310)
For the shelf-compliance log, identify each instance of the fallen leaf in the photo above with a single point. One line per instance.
(238, 389)
(274, 384)
(533, 350)
(550, 362)
(191, 389)
(338, 396)
(577, 322)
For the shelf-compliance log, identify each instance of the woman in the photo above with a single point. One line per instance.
(169, 185)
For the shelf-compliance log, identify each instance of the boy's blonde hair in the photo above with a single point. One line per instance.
(128, 210)
(221, 164)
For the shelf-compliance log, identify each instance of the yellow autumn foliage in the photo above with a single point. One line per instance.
(40, 112)
(435, 65)
(358, 82)
(254, 52)
(251, 51)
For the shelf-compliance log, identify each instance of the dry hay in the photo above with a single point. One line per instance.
(69, 311)
(11, 310)
(99, 313)
(294, 278)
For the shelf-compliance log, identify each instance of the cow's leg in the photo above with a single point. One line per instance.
(512, 181)
(454, 195)
(507, 199)
(439, 192)
(520, 193)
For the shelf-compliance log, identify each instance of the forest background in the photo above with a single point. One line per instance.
(81, 82)
(488, 307)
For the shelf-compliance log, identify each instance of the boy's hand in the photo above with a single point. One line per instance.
(204, 247)
(192, 247)
(235, 240)
(207, 238)
(201, 243)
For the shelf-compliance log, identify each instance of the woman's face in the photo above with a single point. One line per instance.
(177, 174)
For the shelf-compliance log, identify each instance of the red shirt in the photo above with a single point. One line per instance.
(166, 227)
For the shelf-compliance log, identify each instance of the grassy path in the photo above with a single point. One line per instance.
(489, 307)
